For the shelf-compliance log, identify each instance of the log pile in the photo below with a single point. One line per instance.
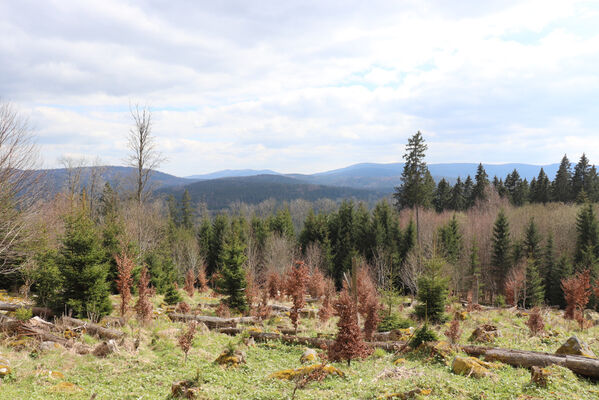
(93, 329)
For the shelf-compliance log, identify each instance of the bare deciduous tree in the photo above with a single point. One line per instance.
(144, 157)
(18, 184)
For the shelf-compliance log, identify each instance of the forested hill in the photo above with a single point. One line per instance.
(220, 193)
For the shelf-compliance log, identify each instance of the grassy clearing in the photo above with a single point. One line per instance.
(149, 372)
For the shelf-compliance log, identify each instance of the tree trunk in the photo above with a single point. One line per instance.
(212, 322)
(38, 311)
(580, 365)
(93, 329)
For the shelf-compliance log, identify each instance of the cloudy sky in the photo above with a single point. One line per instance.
(309, 85)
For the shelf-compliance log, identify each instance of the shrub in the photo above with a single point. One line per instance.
(535, 322)
(143, 307)
(183, 308)
(273, 284)
(316, 284)
(326, 309)
(201, 279)
(423, 335)
(295, 286)
(23, 314)
(190, 278)
(186, 339)
(454, 332)
(172, 296)
(124, 265)
(432, 292)
(349, 343)
(577, 290)
(393, 321)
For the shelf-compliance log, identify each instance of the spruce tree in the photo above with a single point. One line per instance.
(282, 224)
(555, 294)
(581, 176)
(186, 212)
(232, 281)
(587, 240)
(532, 241)
(541, 193)
(500, 258)
(82, 264)
(415, 190)
(450, 240)
(468, 188)
(479, 191)
(474, 271)
(457, 201)
(442, 197)
(561, 187)
(432, 292)
(172, 295)
(535, 290)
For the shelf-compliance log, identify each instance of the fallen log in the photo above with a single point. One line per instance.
(94, 329)
(580, 365)
(212, 322)
(37, 311)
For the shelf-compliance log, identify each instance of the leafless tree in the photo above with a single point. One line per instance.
(144, 157)
(73, 185)
(95, 183)
(186, 254)
(18, 184)
(279, 254)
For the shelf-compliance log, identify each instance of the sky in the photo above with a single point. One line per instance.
(305, 86)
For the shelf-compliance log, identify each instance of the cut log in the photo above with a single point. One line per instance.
(212, 322)
(37, 311)
(580, 365)
(94, 329)
(16, 327)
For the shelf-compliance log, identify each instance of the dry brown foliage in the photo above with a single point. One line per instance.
(190, 278)
(535, 322)
(252, 290)
(124, 265)
(577, 290)
(273, 284)
(316, 284)
(295, 287)
(326, 309)
(186, 338)
(368, 301)
(264, 310)
(349, 343)
(143, 307)
(201, 278)
(223, 310)
(454, 332)
(183, 308)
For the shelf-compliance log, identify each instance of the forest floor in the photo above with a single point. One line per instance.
(149, 371)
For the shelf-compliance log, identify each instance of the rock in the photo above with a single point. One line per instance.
(47, 346)
(484, 333)
(5, 370)
(105, 348)
(185, 389)
(308, 356)
(539, 376)
(576, 347)
(291, 374)
(442, 350)
(230, 359)
(471, 366)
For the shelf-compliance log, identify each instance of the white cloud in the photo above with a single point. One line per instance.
(306, 86)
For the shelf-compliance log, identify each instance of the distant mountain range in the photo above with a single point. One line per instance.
(366, 181)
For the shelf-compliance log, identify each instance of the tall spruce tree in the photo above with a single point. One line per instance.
(532, 241)
(442, 197)
(581, 178)
(232, 282)
(82, 263)
(468, 188)
(479, 191)
(457, 201)
(587, 240)
(500, 258)
(450, 241)
(186, 211)
(547, 267)
(555, 294)
(535, 290)
(541, 193)
(561, 186)
(415, 190)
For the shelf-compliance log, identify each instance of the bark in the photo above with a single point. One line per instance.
(580, 365)
(15, 327)
(38, 311)
(94, 329)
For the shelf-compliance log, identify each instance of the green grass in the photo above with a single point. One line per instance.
(149, 372)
